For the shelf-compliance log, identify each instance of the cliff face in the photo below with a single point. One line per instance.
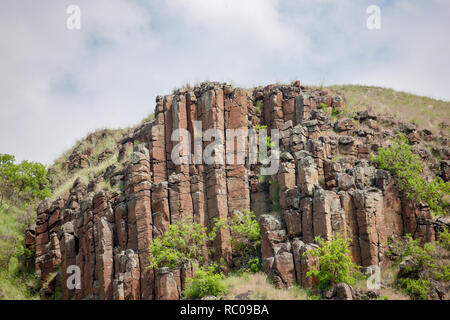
(325, 186)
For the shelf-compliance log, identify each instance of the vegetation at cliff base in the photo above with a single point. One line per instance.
(207, 281)
(420, 265)
(334, 263)
(185, 243)
(245, 237)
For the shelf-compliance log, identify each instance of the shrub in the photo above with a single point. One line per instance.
(334, 263)
(180, 244)
(206, 281)
(407, 167)
(245, 239)
(415, 288)
(419, 265)
(444, 239)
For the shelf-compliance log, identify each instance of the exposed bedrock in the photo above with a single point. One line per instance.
(325, 185)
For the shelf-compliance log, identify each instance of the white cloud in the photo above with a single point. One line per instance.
(57, 85)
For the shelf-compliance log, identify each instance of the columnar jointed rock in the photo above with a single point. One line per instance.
(325, 186)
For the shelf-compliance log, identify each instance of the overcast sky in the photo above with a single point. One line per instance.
(57, 85)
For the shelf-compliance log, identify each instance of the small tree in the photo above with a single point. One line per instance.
(245, 239)
(25, 182)
(182, 243)
(334, 263)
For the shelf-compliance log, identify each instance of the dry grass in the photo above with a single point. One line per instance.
(262, 289)
(423, 111)
(97, 142)
(85, 175)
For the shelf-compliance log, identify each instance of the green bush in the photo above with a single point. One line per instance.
(206, 281)
(421, 264)
(245, 239)
(180, 244)
(444, 239)
(334, 263)
(415, 288)
(407, 168)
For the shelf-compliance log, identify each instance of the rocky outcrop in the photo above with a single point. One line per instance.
(325, 186)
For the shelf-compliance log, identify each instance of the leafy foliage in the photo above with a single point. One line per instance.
(415, 288)
(24, 182)
(206, 281)
(182, 243)
(407, 167)
(259, 106)
(419, 264)
(334, 263)
(444, 239)
(245, 239)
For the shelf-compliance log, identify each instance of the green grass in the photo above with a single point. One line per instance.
(15, 281)
(262, 288)
(16, 287)
(96, 142)
(85, 175)
(425, 112)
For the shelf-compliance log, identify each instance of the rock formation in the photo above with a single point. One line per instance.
(325, 186)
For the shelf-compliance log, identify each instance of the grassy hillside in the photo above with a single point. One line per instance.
(426, 113)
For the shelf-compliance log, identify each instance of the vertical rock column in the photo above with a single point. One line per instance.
(237, 173)
(212, 105)
(42, 238)
(104, 243)
(273, 108)
(197, 172)
(276, 251)
(179, 180)
(138, 185)
(160, 192)
(372, 234)
(87, 249)
(328, 216)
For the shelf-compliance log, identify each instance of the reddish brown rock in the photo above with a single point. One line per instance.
(167, 286)
(325, 186)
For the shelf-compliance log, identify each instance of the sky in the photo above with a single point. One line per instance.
(58, 84)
